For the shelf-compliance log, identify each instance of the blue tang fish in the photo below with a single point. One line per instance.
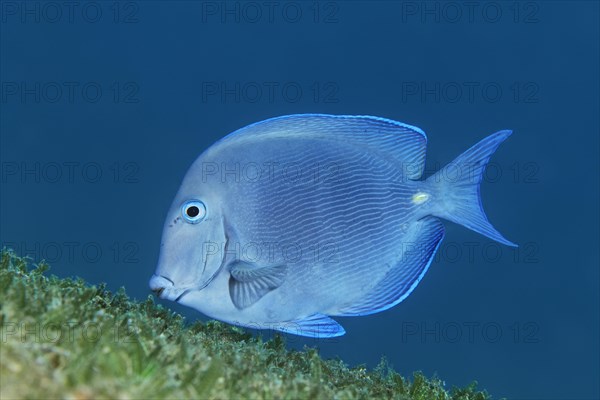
(287, 222)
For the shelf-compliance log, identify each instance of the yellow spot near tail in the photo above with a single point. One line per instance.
(420, 198)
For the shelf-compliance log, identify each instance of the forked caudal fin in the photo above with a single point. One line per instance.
(457, 188)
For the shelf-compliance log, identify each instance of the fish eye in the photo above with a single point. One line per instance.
(193, 211)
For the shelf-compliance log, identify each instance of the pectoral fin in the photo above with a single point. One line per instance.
(249, 283)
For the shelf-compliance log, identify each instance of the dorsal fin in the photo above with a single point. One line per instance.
(402, 144)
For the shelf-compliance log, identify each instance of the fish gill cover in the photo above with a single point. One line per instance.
(62, 338)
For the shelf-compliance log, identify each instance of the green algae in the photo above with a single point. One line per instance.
(62, 338)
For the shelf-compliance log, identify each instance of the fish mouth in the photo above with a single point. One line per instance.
(165, 287)
(158, 283)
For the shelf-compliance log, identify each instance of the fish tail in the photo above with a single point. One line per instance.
(457, 188)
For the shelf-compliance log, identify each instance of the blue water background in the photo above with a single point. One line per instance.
(176, 76)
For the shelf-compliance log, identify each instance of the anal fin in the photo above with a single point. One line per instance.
(316, 326)
(419, 247)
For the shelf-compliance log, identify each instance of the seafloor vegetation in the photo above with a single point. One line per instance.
(62, 338)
